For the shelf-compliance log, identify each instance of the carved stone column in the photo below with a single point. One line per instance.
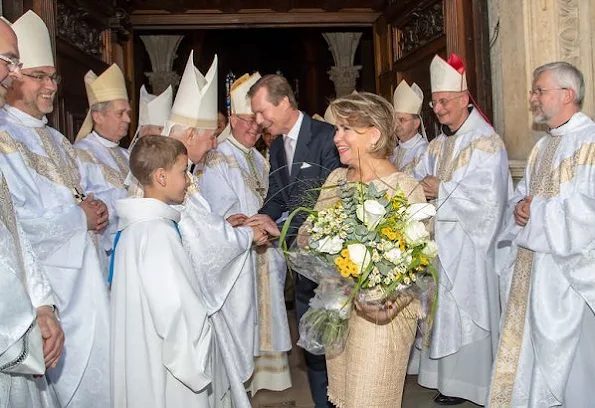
(524, 35)
(162, 52)
(344, 74)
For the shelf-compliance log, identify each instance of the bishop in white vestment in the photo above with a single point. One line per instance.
(46, 187)
(98, 148)
(465, 169)
(161, 337)
(235, 180)
(546, 354)
(407, 102)
(153, 112)
(23, 288)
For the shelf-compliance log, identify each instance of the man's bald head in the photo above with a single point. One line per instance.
(9, 50)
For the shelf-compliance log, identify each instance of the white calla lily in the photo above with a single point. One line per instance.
(370, 213)
(359, 255)
(421, 211)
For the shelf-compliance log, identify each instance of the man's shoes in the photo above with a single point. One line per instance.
(441, 399)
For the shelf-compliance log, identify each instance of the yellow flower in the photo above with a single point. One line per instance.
(339, 261)
(345, 272)
(401, 243)
(345, 253)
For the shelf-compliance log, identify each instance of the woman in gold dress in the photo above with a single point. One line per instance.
(370, 372)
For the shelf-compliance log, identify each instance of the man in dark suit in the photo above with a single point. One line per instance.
(301, 160)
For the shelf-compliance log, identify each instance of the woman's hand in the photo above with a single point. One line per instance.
(381, 314)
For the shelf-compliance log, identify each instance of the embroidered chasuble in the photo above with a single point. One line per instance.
(23, 287)
(475, 183)
(106, 164)
(514, 321)
(46, 186)
(235, 180)
(545, 356)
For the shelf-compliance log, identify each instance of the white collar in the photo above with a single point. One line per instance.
(295, 130)
(473, 121)
(24, 118)
(411, 142)
(234, 142)
(577, 121)
(131, 210)
(103, 140)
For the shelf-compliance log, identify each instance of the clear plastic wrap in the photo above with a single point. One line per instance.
(324, 327)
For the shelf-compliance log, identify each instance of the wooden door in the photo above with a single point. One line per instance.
(383, 60)
(413, 31)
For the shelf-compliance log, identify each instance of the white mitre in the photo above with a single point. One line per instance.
(408, 99)
(35, 46)
(109, 86)
(196, 102)
(153, 109)
(240, 103)
(445, 78)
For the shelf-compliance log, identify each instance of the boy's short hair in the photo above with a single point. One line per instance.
(154, 152)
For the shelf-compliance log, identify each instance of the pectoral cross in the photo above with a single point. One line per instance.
(79, 196)
(260, 190)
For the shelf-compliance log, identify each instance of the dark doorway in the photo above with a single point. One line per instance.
(300, 54)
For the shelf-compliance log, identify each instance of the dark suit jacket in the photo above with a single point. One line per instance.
(315, 157)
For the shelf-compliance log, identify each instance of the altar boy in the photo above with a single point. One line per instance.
(161, 337)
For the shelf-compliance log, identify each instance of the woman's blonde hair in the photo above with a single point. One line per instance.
(365, 109)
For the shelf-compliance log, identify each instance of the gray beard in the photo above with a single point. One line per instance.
(539, 119)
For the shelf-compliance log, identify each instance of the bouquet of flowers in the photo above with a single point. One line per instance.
(368, 246)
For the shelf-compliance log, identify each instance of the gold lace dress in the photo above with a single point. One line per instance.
(370, 372)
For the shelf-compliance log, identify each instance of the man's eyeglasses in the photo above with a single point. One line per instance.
(249, 120)
(443, 101)
(43, 77)
(540, 91)
(12, 64)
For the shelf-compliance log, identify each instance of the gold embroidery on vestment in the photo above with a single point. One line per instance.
(509, 351)
(111, 175)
